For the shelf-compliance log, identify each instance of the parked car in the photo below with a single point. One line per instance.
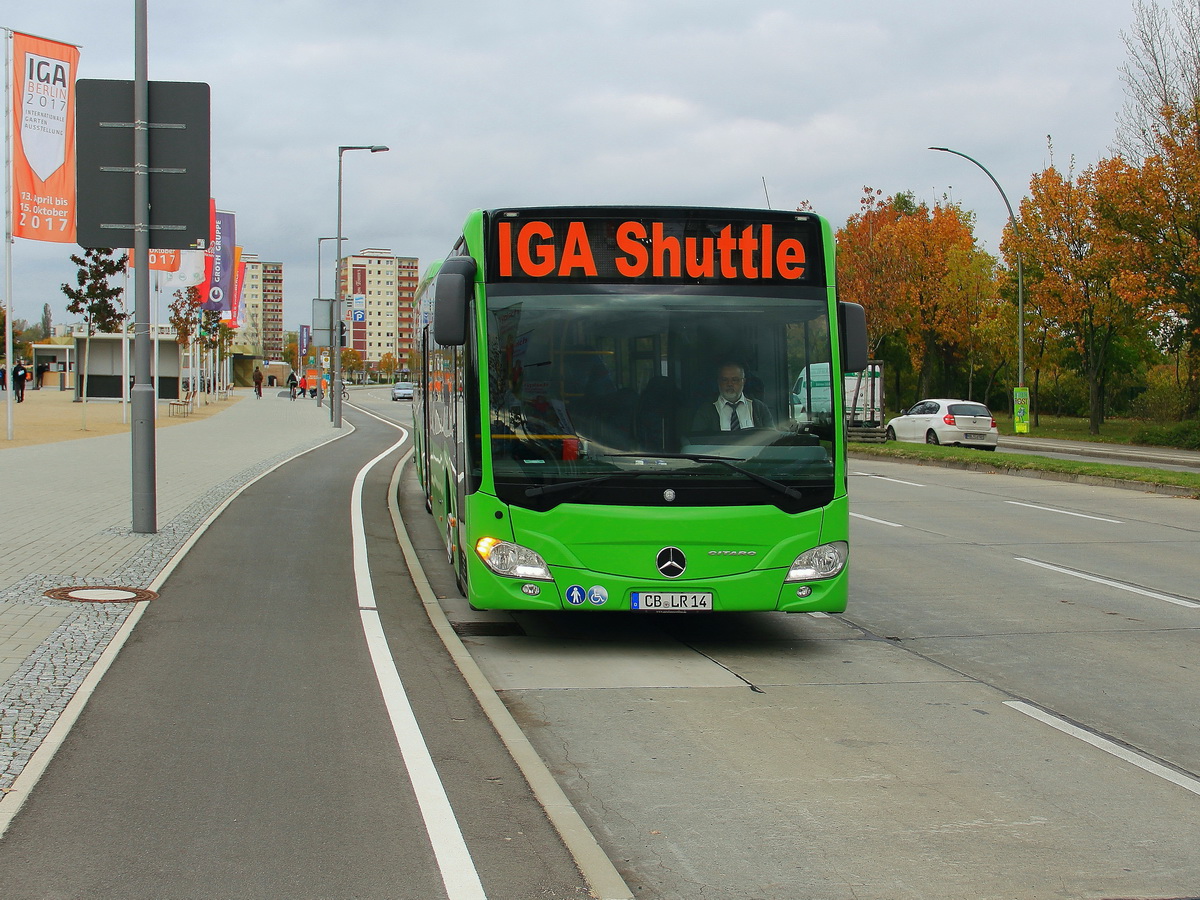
(402, 390)
(962, 422)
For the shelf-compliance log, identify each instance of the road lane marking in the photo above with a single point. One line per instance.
(1133, 589)
(1186, 782)
(449, 848)
(876, 521)
(1064, 512)
(885, 478)
(602, 876)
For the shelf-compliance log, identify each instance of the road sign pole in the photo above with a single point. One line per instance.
(145, 503)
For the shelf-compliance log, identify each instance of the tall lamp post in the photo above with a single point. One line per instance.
(336, 381)
(328, 324)
(1020, 272)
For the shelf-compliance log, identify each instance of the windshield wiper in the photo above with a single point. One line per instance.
(584, 482)
(706, 457)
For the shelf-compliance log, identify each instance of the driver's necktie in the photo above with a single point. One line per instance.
(734, 424)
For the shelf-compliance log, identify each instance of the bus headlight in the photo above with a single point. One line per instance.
(511, 560)
(825, 561)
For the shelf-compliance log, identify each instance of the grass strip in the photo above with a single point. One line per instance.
(1014, 462)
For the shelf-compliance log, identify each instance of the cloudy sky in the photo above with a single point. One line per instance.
(523, 102)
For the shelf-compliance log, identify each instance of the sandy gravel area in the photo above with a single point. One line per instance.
(51, 415)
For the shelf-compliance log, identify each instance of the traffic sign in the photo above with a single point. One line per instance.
(179, 164)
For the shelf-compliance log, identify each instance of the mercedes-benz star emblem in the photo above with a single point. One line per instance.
(671, 562)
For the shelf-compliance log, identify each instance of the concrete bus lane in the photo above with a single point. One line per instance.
(774, 756)
(240, 746)
(1081, 598)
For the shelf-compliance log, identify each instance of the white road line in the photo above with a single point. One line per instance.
(1133, 589)
(1184, 781)
(885, 478)
(453, 858)
(1064, 512)
(876, 521)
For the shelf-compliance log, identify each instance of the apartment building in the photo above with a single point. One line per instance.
(378, 289)
(261, 332)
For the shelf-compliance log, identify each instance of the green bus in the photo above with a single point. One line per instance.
(604, 415)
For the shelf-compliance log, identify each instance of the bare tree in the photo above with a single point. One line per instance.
(1161, 74)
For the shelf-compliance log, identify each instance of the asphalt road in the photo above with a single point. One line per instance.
(240, 745)
(976, 725)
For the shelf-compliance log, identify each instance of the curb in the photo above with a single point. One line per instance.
(595, 866)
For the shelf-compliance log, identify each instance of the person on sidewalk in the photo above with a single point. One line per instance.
(18, 380)
(257, 382)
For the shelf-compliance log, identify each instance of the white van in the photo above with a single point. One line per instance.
(811, 395)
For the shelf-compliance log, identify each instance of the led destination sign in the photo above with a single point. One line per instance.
(656, 249)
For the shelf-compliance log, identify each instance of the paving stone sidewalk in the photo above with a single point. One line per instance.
(67, 522)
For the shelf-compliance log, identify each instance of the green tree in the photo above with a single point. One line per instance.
(95, 298)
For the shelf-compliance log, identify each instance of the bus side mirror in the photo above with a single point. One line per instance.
(852, 328)
(451, 300)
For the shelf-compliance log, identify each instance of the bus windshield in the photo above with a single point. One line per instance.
(719, 395)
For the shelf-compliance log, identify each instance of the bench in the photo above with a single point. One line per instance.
(184, 406)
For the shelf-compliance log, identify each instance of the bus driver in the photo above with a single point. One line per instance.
(732, 410)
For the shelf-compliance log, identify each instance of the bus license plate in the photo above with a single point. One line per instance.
(671, 600)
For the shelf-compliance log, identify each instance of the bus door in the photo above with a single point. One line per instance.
(426, 403)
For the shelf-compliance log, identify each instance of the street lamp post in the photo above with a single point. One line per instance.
(336, 380)
(329, 324)
(1020, 273)
(1020, 393)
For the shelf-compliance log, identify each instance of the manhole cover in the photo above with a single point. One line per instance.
(105, 594)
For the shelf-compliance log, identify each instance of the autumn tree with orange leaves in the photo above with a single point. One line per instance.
(1074, 261)
(925, 286)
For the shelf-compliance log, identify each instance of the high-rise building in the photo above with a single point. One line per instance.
(377, 291)
(272, 312)
(261, 332)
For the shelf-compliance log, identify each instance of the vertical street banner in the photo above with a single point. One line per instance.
(220, 283)
(304, 340)
(43, 142)
(236, 317)
(188, 273)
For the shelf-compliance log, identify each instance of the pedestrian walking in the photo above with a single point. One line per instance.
(257, 382)
(18, 381)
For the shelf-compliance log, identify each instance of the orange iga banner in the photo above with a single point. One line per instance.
(160, 260)
(236, 318)
(43, 99)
